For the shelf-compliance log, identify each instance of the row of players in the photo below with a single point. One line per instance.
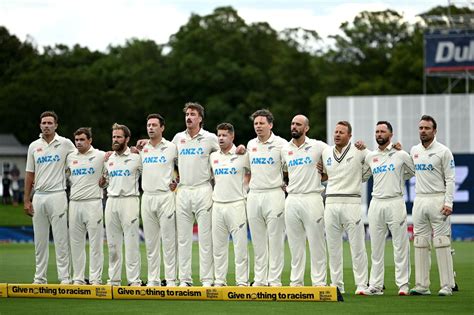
(248, 189)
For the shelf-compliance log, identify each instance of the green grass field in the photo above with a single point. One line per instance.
(17, 266)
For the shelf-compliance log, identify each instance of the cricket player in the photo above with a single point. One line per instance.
(85, 167)
(231, 176)
(194, 195)
(158, 202)
(390, 169)
(435, 180)
(344, 165)
(266, 201)
(45, 168)
(122, 172)
(304, 209)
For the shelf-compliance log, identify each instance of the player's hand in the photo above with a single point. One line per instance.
(319, 166)
(28, 208)
(102, 181)
(141, 143)
(283, 187)
(173, 185)
(107, 155)
(447, 211)
(397, 146)
(360, 145)
(134, 150)
(240, 150)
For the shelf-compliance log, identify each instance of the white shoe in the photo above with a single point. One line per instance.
(96, 283)
(66, 282)
(404, 290)
(114, 283)
(171, 283)
(420, 291)
(445, 291)
(135, 284)
(207, 284)
(360, 290)
(372, 291)
(220, 285)
(78, 282)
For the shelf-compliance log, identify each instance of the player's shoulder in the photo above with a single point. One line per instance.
(252, 142)
(178, 136)
(327, 150)
(281, 141)
(214, 154)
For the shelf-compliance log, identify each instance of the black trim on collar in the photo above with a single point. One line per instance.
(339, 160)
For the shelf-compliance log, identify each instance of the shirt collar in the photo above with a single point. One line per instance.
(306, 141)
(431, 144)
(126, 152)
(388, 148)
(56, 137)
(269, 140)
(162, 142)
(91, 149)
(231, 151)
(343, 149)
(200, 132)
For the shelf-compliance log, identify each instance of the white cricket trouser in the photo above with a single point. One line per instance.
(339, 217)
(265, 211)
(122, 222)
(86, 216)
(194, 202)
(428, 220)
(304, 219)
(230, 218)
(50, 209)
(389, 213)
(159, 225)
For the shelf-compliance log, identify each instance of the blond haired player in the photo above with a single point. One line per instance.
(45, 168)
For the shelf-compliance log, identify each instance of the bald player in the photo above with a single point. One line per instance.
(158, 202)
(304, 209)
(435, 181)
(122, 173)
(344, 165)
(45, 169)
(231, 176)
(390, 169)
(86, 165)
(194, 196)
(266, 201)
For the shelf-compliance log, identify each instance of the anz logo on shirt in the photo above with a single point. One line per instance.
(48, 159)
(262, 161)
(383, 169)
(423, 167)
(154, 159)
(191, 151)
(225, 171)
(116, 173)
(300, 161)
(82, 171)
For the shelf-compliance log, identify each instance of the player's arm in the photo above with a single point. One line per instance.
(104, 179)
(366, 170)
(28, 206)
(449, 179)
(408, 166)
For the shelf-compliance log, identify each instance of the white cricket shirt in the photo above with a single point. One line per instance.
(158, 166)
(85, 172)
(123, 172)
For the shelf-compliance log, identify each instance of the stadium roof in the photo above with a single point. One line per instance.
(10, 146)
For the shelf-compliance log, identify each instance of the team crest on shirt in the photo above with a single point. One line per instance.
(416, 156)
(233, 159)
(199, 139)
(290, 152)
(111, 164)
(91, 158)
(216, 161)
(254, 149)
(39, 150)
(127, 160)
(57, 145)
(183, 141)
(307, 148)
(271, 147)
(163, 148)
(74, 162)
(349, 159)
(145, 150)
(391, 153)
(375, 160)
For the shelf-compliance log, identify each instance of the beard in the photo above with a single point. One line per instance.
(295, 134)
(381, 141)
(118, 146)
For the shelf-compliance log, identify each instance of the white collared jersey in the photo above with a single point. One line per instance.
(158, 166)
(229, 171)
(48, 162)
(123, 172)
(85, 172)
(265, 162)
(193, 156)
(344, 170)
(390, 168)
(301, 164)
(434, 170)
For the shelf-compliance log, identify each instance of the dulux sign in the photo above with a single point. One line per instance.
(448, 52)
